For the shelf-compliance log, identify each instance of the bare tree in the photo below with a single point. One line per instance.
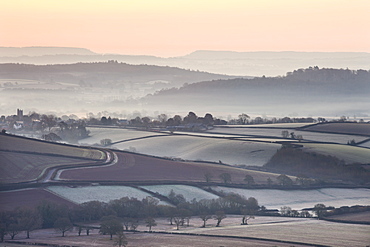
(219, 216)
(226, 177)
(204, 216)
(249, 179)
(120, 240)
(63, 225)
(208, 177)
(150, 222)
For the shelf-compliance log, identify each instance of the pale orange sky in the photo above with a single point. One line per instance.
(178, 27)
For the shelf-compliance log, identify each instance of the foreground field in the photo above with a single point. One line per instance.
(266, 229)
(149, 239)
(308, 231)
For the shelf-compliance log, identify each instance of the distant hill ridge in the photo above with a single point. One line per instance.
(42, 51)
(208, 54)
(257, 63)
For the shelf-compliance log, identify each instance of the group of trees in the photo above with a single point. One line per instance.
(319, 166)
(127, 214)
(244, 119)
(123, 214)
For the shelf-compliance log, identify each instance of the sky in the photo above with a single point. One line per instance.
(178, 27)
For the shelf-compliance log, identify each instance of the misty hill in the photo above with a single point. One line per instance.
(101, 74)
(42, 51)
(303, 92)
(220, 62)
(91, 86)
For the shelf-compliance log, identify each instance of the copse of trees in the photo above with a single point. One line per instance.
(308, 164)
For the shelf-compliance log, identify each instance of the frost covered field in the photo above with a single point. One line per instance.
(115, 134)
(311, 231)
(350, 154)
(307, 135)
(299, 199)
(207, 149)
(189, 192)
(98, 193)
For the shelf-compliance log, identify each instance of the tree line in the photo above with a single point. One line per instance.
(124, 214)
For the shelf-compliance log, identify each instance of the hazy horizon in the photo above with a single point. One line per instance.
(176, 28)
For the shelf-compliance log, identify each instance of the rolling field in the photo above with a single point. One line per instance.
(307, 135)
(20, 167)
(98, 193)
(24, 159)
(14, 143)
(115, 134)
(29, 198)
(133, 167)
(275, 125)
(299, 199)
(189, 192)
(350, 154)
(345, 128)
(207, 149)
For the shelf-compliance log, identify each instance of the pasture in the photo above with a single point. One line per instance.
(201, 148)
(98, 193)
(189, 192)
(311, 231)
(307, 135)
(115, 134)
(345, 128)
(350, 154)
(299, 199)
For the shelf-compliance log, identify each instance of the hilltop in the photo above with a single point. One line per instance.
(310, 91)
